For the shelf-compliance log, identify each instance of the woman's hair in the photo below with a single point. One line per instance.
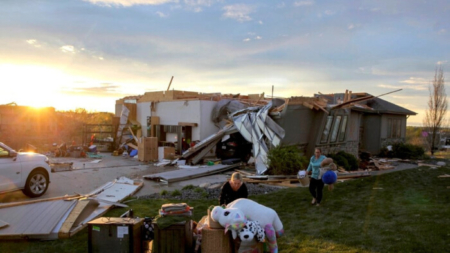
(326, 162)
(318, 149)
(332, 166)
(236, 176)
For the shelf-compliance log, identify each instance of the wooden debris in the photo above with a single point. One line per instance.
(443, 176)
(428, 165)
(382, 164)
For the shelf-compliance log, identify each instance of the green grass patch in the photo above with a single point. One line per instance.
(404, 211)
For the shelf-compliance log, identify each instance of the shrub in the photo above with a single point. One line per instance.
(285, 160)
(407, 151)
(163, 193)
(188, 187)
(176, 193)
(344, 159)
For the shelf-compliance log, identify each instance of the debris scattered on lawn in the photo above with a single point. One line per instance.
(56, 167)
(62, 217)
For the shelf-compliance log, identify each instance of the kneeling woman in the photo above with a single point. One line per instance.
(233, 189)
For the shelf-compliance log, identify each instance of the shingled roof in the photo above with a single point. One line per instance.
(382, 106)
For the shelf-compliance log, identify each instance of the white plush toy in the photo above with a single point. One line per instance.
(251, 230)
(236, 214)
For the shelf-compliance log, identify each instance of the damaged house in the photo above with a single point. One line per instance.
(343, 121)
(334, 122)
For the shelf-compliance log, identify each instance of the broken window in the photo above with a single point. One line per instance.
(334, 132)
(326, 131)
(343, 128)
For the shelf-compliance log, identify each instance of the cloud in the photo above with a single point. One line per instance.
(128, 3)
(68, 49)
(416, 80)
(260, 22)
(442, 31)
(281, 5)
(240, 12)
(246, 40)
(33, 42)
(199, 2)
(258, 37)
(102, 89)
(413, 83)
(303, 3)
(161, 15)
(329, 12)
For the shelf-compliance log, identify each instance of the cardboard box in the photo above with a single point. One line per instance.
(154, 120)
(148, 149)
(169, 153)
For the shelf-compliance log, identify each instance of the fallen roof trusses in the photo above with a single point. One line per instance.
(317, 103)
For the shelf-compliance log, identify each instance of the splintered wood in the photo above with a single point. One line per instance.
(317, 103)
(381, 164)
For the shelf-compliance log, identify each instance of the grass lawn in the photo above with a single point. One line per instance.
(405, 211)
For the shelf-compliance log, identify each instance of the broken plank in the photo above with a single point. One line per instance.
(68, 223)
(134, 137)
(133, 146)
(320, 107)
(245, 173)
(306, 104)
(186, 174)
(3, 224)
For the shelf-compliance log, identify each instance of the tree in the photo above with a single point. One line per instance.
(437, 107)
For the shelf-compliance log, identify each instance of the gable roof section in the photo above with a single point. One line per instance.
(382, 106)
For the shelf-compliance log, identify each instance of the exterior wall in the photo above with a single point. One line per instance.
(385, 140)
(350, 144)
(172, 112)
(143, 111)
(371, 133)
(191, 111)
(297, 122)
(354, 126)
(206, 125)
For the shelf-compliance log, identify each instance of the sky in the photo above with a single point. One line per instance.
(72, 54)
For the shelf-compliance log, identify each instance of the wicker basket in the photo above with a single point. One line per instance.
(216, 241)
(212, 223)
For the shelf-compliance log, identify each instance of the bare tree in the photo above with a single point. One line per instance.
(437, 107)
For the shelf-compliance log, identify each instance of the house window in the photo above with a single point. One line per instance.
(394, 128)
(334, 132)
(326, 131)
(343, 128)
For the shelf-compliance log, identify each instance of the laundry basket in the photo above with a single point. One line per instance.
(303, 178)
